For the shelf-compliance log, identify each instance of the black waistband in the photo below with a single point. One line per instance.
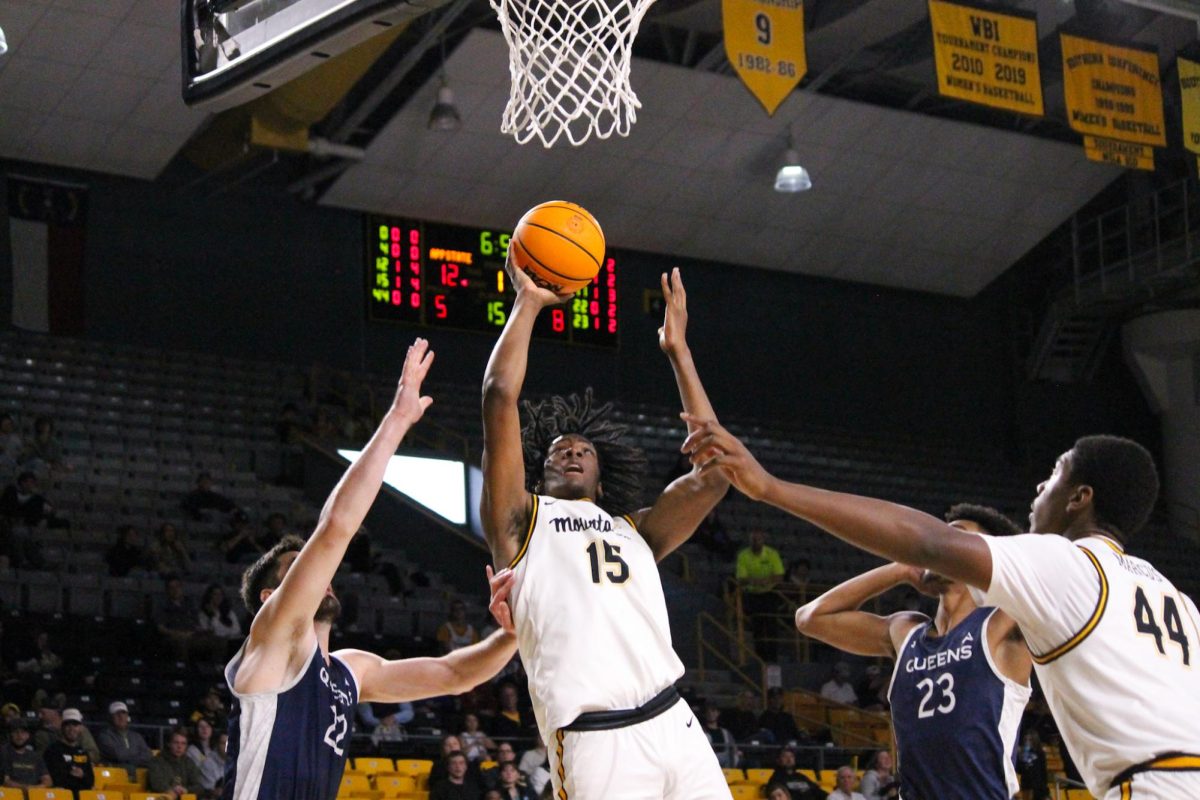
(1157, 764)
(622, 718)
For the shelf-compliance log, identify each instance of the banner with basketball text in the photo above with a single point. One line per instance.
(987, 57)
(1113, 91)
(1121, 154)
(764, 41)
(1189, 94)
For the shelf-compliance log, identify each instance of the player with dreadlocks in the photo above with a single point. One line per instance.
(560, 508)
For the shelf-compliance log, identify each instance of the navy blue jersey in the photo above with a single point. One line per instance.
(291, 744)
(955, 716)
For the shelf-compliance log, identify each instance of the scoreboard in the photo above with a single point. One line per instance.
(453, 277)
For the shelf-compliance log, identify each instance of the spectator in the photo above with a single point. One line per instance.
(121, 747)
(796, 580)
(209, 758)
(168, 554)
(387, 720)
(456, 632)
(742, 719)
(20, 764)
(43, 660)
(211, 707)
(475, 743)
(777, 791)
(838, 688)
(873, 688)
(203, 499)
(242, 542)
(845, 786)
(126, 554)
(172, 772)
(489, 778)
(11, 445)
(69, 763)
(758, 569)
(511, 786)
(43, 453)
(778, 721)
(535, 763)
(510, 722)
(216, 616)
(721, 739)
(880, 779)
(176, 618)
(797, 784)
(457, 785)
(1031, 767)
(450, 744)
(9, 712)
(50, 730)
(22, 504)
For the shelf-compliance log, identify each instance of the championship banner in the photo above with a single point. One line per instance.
(764, 41)
(1120, 154)
(987, 57)
(1113, 92)
(1189, 92)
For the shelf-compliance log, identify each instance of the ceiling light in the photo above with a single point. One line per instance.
(444, 116)
(791, 176)
(3, 43)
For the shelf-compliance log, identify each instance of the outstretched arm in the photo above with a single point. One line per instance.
(457, 672)
(505, 504)
(834, 618)
(895, 532)
(685, 503)
(293, 604)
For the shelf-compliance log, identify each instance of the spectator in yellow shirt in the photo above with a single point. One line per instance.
(759, 568)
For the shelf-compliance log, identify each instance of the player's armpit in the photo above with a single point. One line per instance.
(677, 512)
(1008, 647)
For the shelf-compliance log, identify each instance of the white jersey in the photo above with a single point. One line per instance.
(590, 614)
(1115, 647)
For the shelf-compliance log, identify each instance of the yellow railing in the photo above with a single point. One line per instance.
(714, 641)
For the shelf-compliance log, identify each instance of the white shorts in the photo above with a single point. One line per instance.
(665, 758)
(1157, 785)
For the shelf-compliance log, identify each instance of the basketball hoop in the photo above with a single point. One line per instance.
(569, 64)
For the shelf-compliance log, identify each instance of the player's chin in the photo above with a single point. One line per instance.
(329, 610)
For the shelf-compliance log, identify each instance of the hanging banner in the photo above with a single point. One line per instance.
(1112, 91)
(1189, 92)
(987, 57)
(1122, 154)
(764, 41)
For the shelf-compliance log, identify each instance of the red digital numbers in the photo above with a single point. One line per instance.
(558, 320)
(450, 275)
(439, 306)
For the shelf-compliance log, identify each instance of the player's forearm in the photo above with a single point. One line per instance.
(351, 499)
(850, 595)
(481, 662)
(505, 373)
(692, 395)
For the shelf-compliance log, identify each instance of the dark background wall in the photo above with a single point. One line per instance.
(262, 276)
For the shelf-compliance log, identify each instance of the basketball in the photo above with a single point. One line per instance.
(559, 245)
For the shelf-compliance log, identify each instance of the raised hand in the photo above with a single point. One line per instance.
(672, 334)
(501, 584)
(527, 287)
(713, 448)
(409, 403)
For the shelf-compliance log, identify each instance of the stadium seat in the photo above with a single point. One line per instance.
(356, 784)
(1077, 794)
(374, 766)
(93, 794)
(733, 775)
(150, 796)
(396, 785)
(40, 793)
(744, 791)
(11, 794)
(108, 776)
(758, 777)
(413, 766)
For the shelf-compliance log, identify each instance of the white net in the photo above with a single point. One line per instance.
(569, 64)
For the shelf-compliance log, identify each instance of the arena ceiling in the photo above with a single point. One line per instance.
(910, 189)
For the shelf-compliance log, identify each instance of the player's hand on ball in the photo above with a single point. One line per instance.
(526, 287)
(711, 447)
(501, 584)
(409, 403)
(672, 335)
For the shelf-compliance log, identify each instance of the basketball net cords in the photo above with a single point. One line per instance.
(569, 64)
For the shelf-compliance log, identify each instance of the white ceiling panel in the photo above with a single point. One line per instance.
(899, 198)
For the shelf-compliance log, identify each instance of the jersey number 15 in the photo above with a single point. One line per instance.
(615, 568)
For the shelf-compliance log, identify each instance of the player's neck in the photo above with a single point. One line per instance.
(323, 629)
(953, 607)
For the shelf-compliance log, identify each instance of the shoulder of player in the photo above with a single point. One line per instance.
(266, 666)
(901, 624)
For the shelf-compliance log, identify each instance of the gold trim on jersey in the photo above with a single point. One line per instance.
(1097, 613)
(1116, 548)
(1127, 790)
(528, 534)
(632, 524)
(562, 772)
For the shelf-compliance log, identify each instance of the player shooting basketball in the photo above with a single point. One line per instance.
(961, 680)
(293, 699)
(1112, 639)
(560, 508)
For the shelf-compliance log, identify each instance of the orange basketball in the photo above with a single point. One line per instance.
(559, 245)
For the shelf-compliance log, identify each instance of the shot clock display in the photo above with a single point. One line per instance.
(447, 276)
